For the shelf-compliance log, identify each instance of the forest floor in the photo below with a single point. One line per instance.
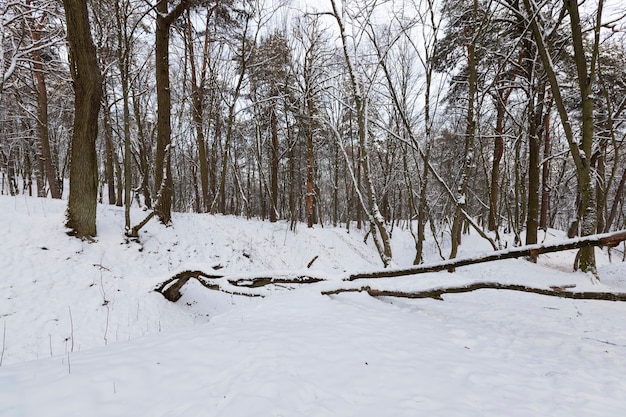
(84, 334)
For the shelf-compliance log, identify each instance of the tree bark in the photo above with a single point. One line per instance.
(81, 211)
(164, 20)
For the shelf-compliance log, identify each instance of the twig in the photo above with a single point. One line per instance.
(71, 331)
(4, 336)
(312, 261)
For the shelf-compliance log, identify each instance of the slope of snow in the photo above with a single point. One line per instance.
(84, 334)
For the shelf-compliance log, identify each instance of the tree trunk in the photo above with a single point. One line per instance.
(310, 160)
(498, 151)
(109, 171)
(587, 211)
(616, 202)
(163, 174)
(535, 112)
(470, 131)
(274, 164)
(164, 128)
(42, 122)
(144, 151)
(81, 210)
(197, 99)
(123, 62)
(546, 171)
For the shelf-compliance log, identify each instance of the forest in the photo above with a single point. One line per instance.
(436, 116)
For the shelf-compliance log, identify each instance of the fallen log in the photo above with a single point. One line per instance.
(606, 239)
(170, 288)
(437, 293)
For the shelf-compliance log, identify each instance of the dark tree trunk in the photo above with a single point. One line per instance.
(534, 152)
(81, 210)
(163, 174)
(498, 151)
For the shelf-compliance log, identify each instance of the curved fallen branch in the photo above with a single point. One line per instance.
(170, 288)
(438, 292)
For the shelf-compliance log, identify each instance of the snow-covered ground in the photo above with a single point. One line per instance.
(83, 334)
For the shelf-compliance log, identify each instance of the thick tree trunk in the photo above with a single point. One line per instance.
(164, 128)
(81, 211)
(164, 20)
(588, 208)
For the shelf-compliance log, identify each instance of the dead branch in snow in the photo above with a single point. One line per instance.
(170, 288)
(437, 293)
(606, 239)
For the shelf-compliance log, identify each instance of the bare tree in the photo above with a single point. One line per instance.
(377, 229)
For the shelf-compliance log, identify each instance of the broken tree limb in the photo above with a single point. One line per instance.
(438, 292)
(606, 239)
(170, 288)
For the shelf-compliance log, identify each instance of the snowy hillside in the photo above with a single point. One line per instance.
(84, 334)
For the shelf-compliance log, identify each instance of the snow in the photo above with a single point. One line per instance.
(84, 334)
